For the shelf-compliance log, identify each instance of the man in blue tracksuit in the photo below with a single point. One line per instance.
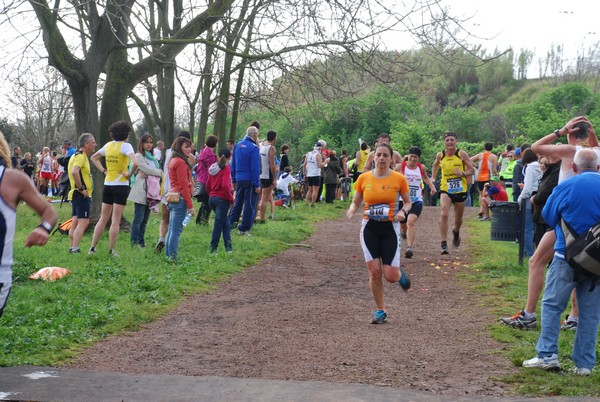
(245, 175)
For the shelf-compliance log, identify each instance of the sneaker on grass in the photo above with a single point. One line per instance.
(546, 363)
(569, 324)
(582, 371)
(379, 317)
(520, 321)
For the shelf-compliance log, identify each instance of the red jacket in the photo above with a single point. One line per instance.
(181, 180)
(219, 185)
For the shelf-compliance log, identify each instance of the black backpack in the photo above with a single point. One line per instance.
(583, 252)
(64, 186)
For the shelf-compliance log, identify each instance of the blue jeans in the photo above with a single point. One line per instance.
(141, 215)
(177, 213)
(529, 230)
(245, 197)
(559, 283)
(221, 208)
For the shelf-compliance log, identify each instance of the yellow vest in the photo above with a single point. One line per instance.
(116, 162)
(451, 183)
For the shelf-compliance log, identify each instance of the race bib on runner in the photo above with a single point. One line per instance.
(414, 194)
(378, 212)
(455, 186)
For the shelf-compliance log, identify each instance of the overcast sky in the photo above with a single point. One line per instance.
(533, 24)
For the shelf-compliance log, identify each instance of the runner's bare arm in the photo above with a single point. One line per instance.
(469, 167)
(272, 164)
(494, 159)
(355, 205)
(96, 161)
(430, 183)
(407, 205)
(436, 165)
(24, 191)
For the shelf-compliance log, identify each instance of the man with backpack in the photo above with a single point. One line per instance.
(80, 194)
(577, 202)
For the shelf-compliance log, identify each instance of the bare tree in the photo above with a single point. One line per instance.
(44, 110)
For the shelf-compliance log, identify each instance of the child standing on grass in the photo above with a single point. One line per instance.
(220, 199)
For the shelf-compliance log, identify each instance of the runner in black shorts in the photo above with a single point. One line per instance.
(381, 190)
(456, 167)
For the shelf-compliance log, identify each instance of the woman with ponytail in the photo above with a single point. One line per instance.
(220, 194)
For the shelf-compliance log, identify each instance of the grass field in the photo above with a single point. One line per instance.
(45, 323)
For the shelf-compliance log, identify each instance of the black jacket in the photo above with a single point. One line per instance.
(547, 183)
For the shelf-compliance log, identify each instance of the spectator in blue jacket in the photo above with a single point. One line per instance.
(245, 175)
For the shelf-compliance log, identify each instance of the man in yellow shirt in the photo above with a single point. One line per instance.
(456, 167)
(80, 195)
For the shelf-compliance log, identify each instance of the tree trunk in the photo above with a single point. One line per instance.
(206, 92)
(114, 108)
(240, 81)
(220, 128)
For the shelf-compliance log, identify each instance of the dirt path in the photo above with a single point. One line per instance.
(305, 315)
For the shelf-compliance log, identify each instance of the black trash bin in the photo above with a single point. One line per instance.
(504, 220)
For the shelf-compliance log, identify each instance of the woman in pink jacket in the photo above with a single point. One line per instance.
(180, 175)
(220, 199)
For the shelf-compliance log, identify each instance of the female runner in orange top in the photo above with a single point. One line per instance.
(381, 190)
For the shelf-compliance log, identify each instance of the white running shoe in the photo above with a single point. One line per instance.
(546, 363)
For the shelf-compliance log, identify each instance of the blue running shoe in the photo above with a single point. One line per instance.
(404, 280)
(379, 317)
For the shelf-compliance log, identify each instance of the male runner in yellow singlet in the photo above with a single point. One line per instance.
(456, 167)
